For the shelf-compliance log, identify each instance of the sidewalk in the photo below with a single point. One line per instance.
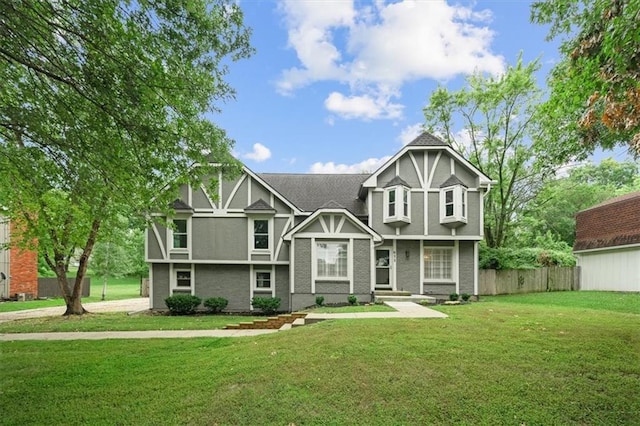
(403, 310)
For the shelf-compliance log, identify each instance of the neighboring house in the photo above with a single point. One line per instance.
(608, 245)
(18, 268)
(413, 225)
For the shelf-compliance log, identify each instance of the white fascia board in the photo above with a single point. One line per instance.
(281, 197)
(354, 220)
(610, 248)
(372, 181)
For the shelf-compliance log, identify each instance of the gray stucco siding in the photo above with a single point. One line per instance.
(465, 175)
(442, 171)
(153, 248)
(241, 198)
(199, 199)
(386, 175)
(408, 268)
(408, 171)
(279, 229)
(219, 238)
(160, 276)
(259, 192)
(433, 215)
(472, 227)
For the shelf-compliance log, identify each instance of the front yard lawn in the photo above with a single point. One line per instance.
(498, 361)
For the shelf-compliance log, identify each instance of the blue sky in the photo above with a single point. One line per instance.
(337, 86)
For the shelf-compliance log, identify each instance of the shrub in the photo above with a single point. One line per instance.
(319, 300)
(352, 299)
(216, 304)
(268, 305)
(465, 297)
(182, 304)
(453, 297)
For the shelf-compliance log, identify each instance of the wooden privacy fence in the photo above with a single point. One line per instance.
(514, 281)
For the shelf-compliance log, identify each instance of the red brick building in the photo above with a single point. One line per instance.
(18, 268)
(608, 244)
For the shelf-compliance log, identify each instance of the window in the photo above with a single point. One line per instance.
(182, 281)
(263, 279)
(438, 263)
(180, 233)
(397, 204)
(331, 258)
(453, 204)
(261, 234)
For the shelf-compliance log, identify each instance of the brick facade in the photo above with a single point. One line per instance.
(23, 265)
(615, 222)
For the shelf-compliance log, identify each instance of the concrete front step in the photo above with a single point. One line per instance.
(416, 298)
(385, 293)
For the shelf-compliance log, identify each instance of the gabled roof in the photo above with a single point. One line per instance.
(613, 223)
(331, 204)
(310, 192)
(451, 181)
(259, 206)
(427, 141)
(180, 206)
(354, 220)
(270, 188)
(397, 181)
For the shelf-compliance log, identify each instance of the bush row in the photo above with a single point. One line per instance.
(523, 258)
(186, 304)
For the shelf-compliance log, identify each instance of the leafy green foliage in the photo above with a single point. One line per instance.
(102, 114)
(595, 88)
(216, 304)
(480, 122)
(454, 297)
(319, 300)
(465, 297)
(268, 305)
(182, 304)
(352, 299)
(523, 258)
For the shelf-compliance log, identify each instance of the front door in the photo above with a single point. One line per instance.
(384, 276)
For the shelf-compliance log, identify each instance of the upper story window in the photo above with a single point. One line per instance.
(180, 234)
(453, 202)
(261, 234)
(397, 201)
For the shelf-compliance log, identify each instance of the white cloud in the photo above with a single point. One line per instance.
(367, 166)
(375, 49)
(260, 153)
(364, 107)
(409, 133)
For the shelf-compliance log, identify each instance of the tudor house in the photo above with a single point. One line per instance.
(413, 225)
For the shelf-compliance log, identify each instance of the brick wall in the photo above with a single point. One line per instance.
(613, 223)
(23, 265)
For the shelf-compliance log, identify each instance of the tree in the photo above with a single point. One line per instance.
(595, 88)
(489, 122)
(551, 215)
(102, 114)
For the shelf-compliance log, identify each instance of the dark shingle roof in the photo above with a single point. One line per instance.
(452, 180)
(397, 181)
(310, 192)
(427, 139)
(259, 206)
(179, 205)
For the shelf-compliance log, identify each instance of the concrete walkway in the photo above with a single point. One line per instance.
(403, 310)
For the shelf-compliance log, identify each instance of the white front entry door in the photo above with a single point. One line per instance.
(384, 269)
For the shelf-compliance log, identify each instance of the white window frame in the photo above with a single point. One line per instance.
(177, 269)
(402, 204)
(460, 204)
(342, 277)
(257, 273)
(252, 234)
(452, 262)
(171, 232)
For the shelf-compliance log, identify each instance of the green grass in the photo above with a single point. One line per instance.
(504, 360)
(351, 309)
(120, 321)
(117, 289)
